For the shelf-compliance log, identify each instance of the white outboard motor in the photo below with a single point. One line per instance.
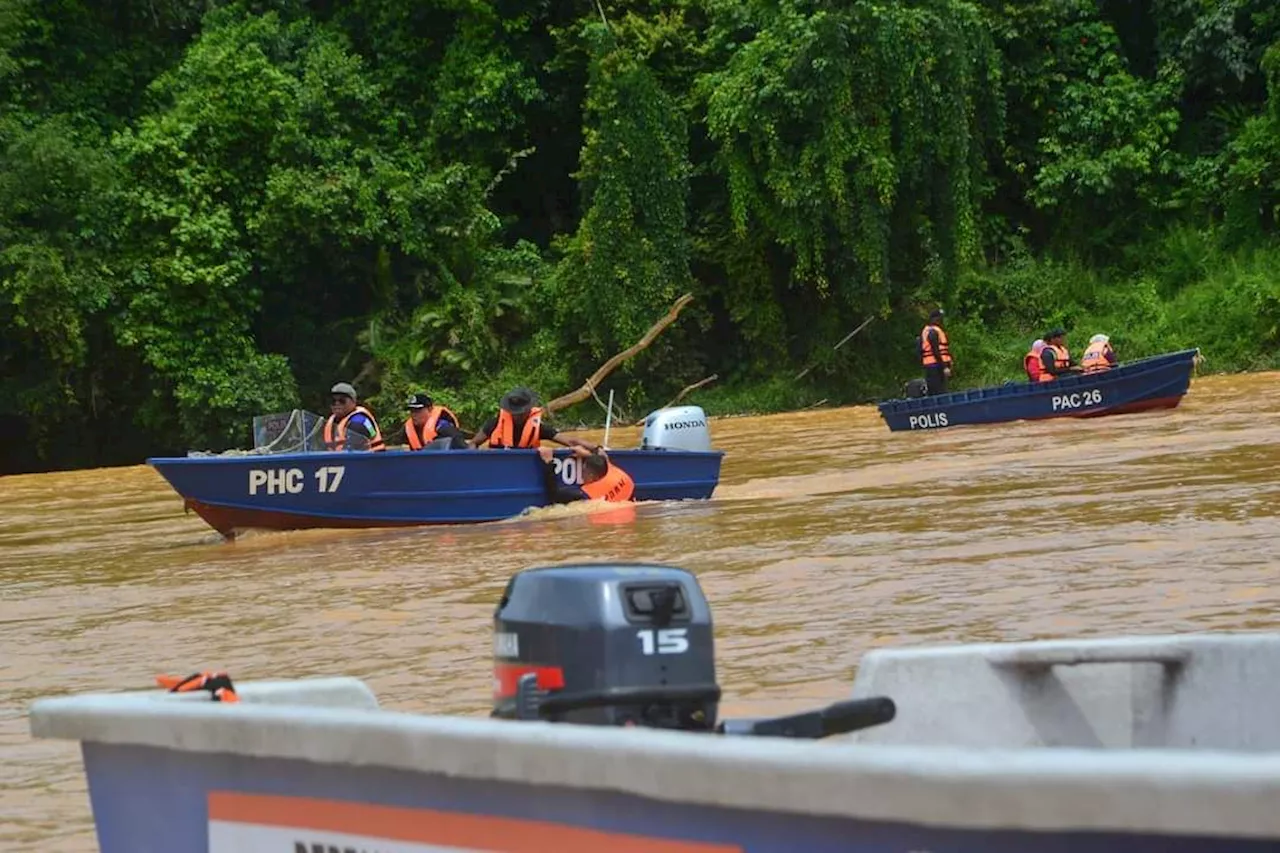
(677, 428)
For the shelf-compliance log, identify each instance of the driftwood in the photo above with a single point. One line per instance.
(843, 341)
(588, 388)
(687, 389)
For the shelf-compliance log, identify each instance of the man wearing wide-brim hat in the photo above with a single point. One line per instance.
(518, 424)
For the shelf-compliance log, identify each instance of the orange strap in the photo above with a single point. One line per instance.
(217, 683)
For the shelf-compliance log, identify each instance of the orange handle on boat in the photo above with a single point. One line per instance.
(217, 683)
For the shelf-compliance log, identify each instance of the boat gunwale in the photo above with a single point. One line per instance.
(390, 453)
(1159, 791)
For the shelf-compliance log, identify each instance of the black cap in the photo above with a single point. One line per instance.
(936, 314)
(517, 401)
(419, 401)
(1055, 333)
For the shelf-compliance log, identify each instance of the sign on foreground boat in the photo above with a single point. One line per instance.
(394, 488)
(1159, 382)
(1140, 744)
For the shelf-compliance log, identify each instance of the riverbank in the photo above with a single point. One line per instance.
(1188, 293)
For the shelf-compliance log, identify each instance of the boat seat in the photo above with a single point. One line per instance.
(1188, 691)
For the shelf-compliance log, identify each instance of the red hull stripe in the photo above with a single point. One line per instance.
(438, 828)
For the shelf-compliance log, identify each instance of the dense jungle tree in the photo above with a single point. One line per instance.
(210, 210)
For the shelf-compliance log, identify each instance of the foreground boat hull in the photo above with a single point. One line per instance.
(1159, 382)
(1053, 747)
(400, 488)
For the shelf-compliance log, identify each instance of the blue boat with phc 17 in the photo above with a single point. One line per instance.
(1158, 382)
(401, 488)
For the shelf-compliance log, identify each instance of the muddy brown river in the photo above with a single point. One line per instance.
(827, 536)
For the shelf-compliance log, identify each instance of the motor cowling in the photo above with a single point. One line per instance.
(677, 428)
(606, 644)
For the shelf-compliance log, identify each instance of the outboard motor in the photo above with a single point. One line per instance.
(628, 645)
(915, 388)
(677, 428)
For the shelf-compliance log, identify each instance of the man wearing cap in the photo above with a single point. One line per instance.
(350, 426)
(427, 422)
(935, 354)
(1054, 358)
(519, 424)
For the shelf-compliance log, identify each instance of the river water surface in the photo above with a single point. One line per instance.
(828, 536)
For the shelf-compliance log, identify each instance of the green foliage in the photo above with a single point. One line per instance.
(629, 258)
(212, 210)
(855, 137)
(1253, 157)
(1106, 148)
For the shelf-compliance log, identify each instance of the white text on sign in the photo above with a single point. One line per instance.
(1077, 400)
(930, 421)
(292, 481)
(568, 470)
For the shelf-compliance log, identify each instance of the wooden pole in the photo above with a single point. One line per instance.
(588, 387)
(843, 341)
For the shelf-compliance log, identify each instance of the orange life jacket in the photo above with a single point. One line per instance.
(1061, 360)
(503, 434)
(335, 431)
(616, 485)
(1094, 359)
(926, 351)
(420, 439)
(1034, 367)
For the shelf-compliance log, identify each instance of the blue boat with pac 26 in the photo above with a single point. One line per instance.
(1158, 382)
(400, 488)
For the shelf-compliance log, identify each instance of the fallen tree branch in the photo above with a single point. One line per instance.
(843, 341)
(677, 398)
(588, 388)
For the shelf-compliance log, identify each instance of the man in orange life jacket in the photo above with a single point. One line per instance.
(427, 422)
(519, 424)
(1054, 358)
(1099, 356)
(350, 426)
(935, 354)
(601, 479)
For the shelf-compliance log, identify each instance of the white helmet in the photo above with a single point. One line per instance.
(1099, 339)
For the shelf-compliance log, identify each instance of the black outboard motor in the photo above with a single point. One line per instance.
(628, 645)
(915, 389)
